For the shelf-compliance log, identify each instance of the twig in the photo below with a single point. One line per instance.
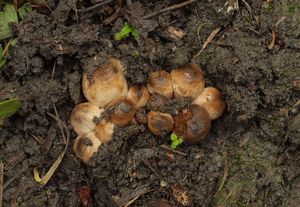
(175, 151)
(87, 9)
(171, 8)
(39, 140)
(8, 182)
(272, 44)
(48, 6)
(53, 71)
(209, 39)
(132, 196)
(225, 171)
(1, 181)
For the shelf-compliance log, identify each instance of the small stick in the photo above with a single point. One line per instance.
(87, 9)
(1, 181)
(209, 39)
(225, 171)
(272, 44)
(175, 151)
(170, 8)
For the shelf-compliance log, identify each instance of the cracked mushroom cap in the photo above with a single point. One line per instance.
(139, 94)
(106, 84)
(160, 82)
(85, 117)
(192, 124)
(85, 146)
(187, 81)
(211, 100)
(160, 124)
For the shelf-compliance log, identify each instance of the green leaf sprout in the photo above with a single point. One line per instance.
(126, 31)
(176, 141)
(9, 107)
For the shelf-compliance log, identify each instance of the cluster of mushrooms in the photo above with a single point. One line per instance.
(111, 103)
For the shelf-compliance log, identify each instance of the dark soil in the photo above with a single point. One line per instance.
(251, 156)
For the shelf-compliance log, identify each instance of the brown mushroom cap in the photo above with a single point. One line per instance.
(187, 81)
(211, 100)
(121, 111)
(106, 84)
(84, 147)
(157, 102)
(104, 131)
(160, 82)
(139, 94)
(192, 124)
(160, 124)
(84, 118)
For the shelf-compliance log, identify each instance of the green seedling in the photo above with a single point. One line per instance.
(127, 31)
(10, 16)
(9, 107)
(176, 141)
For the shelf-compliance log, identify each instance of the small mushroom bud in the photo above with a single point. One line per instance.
(85, 146)
(139, 94)
(85, 117)
(211, 100)
(121, 111)
(192, 124)
(104, 131)
(157, 102)
(106, 84)
(160, 82)
(187, 81)
(160, 124)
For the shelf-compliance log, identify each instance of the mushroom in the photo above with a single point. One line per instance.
(160, 82)
(85, 146)
(85, 117)
(139, 94)
(106, 84)
(211, 100)
(121, 111)
(157, 102)
(187, 81)
(160, 124)
(192, 124)
(104, 131)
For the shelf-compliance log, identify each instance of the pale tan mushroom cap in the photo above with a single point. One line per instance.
(211, 100)
(84, 118)
(160, 82)
(84, 147)
(187, 81)
(160, 124)
(139, 94)
(106, 84)
(104, 131)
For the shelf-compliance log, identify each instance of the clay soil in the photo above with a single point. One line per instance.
(251, 156)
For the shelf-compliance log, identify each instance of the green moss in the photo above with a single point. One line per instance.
(291, 9)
